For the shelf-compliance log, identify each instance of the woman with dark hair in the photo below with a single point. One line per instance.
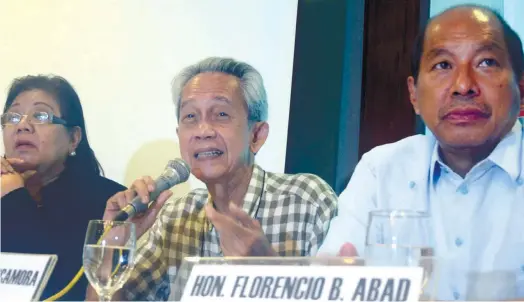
(51, 183)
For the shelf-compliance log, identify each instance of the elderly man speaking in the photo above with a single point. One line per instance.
(222, 112)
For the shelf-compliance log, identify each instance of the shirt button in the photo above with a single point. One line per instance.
(458, 242)
(463, 189)
(456, 295)
(520, 181)
(412, 184)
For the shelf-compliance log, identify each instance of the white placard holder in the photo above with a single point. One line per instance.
(300, 278)
(23, 277)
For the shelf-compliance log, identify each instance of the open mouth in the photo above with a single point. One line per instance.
(208, 153)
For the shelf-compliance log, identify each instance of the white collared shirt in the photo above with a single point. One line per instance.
(478, 220)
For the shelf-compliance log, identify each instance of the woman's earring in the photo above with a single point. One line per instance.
(73, 153)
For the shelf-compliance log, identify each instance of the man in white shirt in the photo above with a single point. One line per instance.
(467, 84)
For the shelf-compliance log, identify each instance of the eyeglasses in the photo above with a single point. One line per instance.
(35, 118)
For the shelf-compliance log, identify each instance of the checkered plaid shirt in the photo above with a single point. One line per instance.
(294, 212)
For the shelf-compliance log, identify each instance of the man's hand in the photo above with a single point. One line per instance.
(141, 187)
(14, 174)
(240, 235)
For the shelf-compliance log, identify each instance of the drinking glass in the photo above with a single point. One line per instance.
(400, 238)
(109, 251)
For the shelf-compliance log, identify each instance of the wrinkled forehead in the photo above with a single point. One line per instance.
(213, 87)
(211, 83)
(463, 26)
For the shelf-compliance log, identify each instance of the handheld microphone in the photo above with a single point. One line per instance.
(176, 172)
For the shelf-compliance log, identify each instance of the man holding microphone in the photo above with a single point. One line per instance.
(222, 110)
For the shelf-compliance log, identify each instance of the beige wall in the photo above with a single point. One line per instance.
(122, 55)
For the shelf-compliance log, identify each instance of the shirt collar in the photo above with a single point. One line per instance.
(507, 155)
(435, 166)
(254, 191)
(253, 195)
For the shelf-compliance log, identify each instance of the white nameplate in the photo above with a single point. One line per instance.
(293, 283)
(24, 276)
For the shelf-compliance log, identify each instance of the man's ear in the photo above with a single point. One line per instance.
(412, 88)
(259, 133)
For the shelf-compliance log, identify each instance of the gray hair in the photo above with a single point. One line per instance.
(250, 79)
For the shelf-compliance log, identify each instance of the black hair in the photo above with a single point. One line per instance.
(71, 111)
(511, 38)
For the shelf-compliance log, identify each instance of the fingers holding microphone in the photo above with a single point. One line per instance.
(142, 187)
(144, 199)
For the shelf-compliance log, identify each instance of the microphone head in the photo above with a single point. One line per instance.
(181, 168)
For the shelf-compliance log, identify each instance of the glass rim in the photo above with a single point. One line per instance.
(400, 213)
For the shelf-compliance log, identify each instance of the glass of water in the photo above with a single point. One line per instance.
(400, 238)
(109, 251)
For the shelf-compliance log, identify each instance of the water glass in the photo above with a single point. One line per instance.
(109, 251)
(400, 238)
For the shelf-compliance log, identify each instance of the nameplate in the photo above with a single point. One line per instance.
(24, 276)
(294, 283)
